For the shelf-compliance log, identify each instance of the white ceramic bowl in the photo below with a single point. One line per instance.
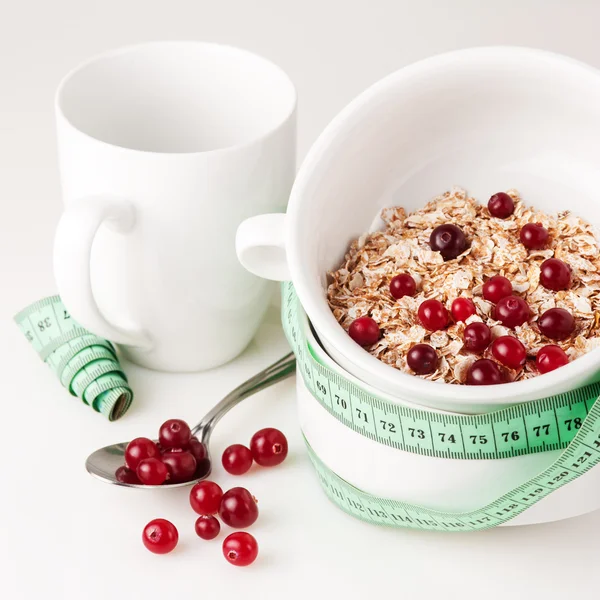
(441, 484)
(487, 119)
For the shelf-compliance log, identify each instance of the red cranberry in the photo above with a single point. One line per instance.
(477, 337)
(555, 275)
(449, 240)
(484, 372)
(509, 351)
(160, 536)
(549, 358)
(203, 468)
(240, 549)
(181, 465)
(237, 459)
(533, 236)
(269, 447)
(496, 288)
(512, 311)
(126, 475)
(501, 205)
(462, 309)
(402, 285)
(557, 323)
(205, 497)
(422, 359)
(433, 315)
(139, 449)
(151, 471)
(364, 331)
(207, 527)
(198, 449)
(174, 433)
(238, 508)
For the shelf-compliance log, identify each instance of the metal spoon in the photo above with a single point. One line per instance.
(104, 462)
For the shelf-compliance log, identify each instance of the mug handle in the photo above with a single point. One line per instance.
(260, 246)
(72, 253)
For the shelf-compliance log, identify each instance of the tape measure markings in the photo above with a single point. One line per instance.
(533, 427)
(71, 349)
(85, 364)
(93, 371)
(382, 511)
(104, 383)
(86, 358)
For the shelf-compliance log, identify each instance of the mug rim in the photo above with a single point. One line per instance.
(270, 132)
(318, 311)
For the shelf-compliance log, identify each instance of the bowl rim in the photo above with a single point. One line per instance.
(318, 311)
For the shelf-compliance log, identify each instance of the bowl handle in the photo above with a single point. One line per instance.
(260, 246)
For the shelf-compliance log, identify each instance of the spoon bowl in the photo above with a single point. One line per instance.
(104, 462)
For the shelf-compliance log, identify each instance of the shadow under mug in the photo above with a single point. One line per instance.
(164, 149)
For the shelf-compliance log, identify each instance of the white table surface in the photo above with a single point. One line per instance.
(64, 535)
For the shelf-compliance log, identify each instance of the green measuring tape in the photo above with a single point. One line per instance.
(568, 421)
(85, 364)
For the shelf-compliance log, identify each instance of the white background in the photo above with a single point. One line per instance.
(65, 535)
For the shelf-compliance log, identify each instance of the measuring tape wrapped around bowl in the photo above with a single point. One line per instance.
(84, 363)
(568, 422)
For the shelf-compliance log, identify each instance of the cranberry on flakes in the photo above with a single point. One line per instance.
(364, 331)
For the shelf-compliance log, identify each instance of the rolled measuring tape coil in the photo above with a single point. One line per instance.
(84, 363)
(568, 422)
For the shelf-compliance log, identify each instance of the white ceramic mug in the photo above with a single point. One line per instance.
(487, 119)
(164, 149)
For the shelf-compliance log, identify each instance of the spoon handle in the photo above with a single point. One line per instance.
(278, 371)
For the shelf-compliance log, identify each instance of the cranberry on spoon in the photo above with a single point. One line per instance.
(106, 463)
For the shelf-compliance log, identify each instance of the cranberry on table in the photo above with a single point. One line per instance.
(512, 311)
(174, 433)
(449, 240)
(181, 465)
(555, 275)
(477, 337)
(152, 471)
(205, 497)
(240, 549)
(364, 331)
(549, 358)
(269, 447)
(501, 205)
(237, 459)
(422, 359)
(238, 508)
(462, 309)
(484, 372)
(126, 475)
(534, 236)
(496, 288)
(160, 536)
(207, 527)
(433, 315)
(139, 449)
(557, 323)
(402, 285)
(509, 351)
